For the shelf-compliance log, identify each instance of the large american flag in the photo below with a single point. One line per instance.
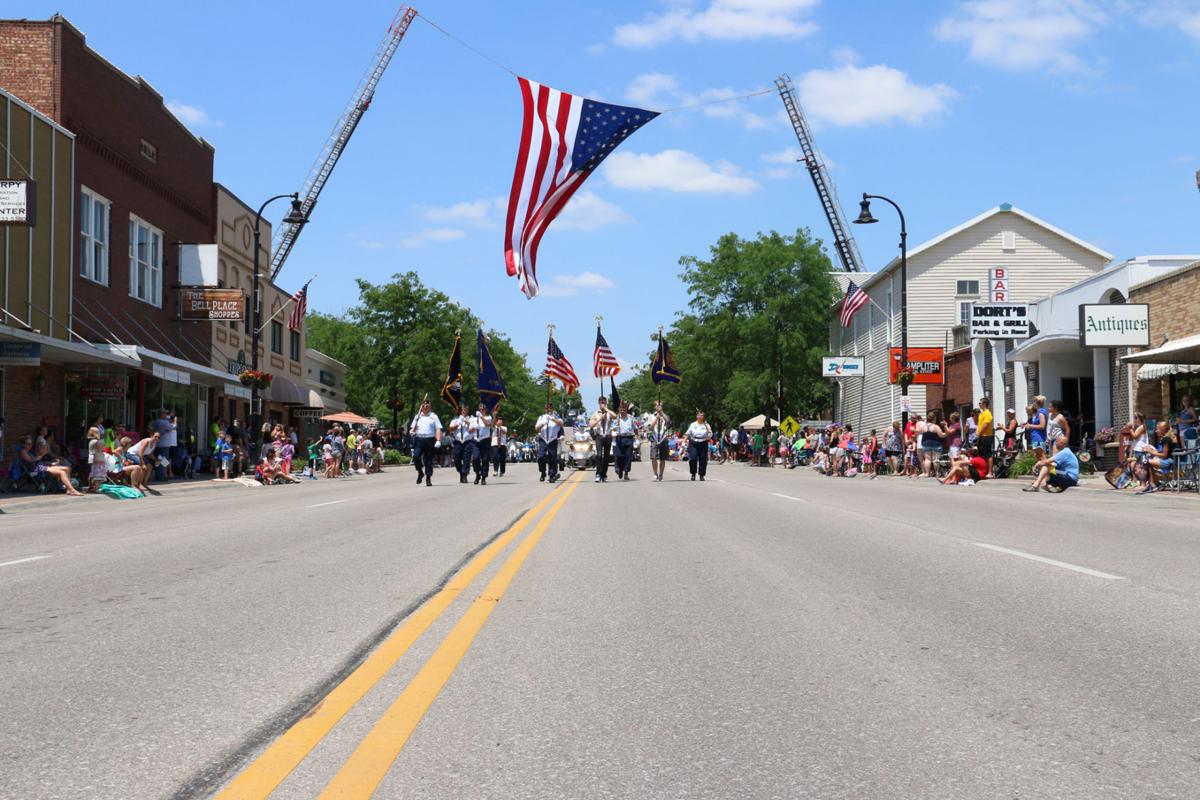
(855, 299)
(558, 367)
(563, 139)
(299, 307)
(604, 363)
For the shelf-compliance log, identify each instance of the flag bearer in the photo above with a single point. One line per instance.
(660, 431)
(426, 430)
(602, 423)
(624, 430)
(549, 429)
(698, 434)
(462, 434)
(499, 446)
(482, 456)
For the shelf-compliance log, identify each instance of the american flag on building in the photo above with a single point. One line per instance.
(855, 299)
(558, 367)
(604, 363)
(299, 308)
(563, 139)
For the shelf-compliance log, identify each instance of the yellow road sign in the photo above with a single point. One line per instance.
(789, 426)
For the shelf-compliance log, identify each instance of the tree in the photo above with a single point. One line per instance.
(758, 319)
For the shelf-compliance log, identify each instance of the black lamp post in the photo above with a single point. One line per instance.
(294, 217)
(865, 218)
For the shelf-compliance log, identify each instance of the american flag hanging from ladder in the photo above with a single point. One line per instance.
(563, 139)
(299, 308)
(855, 299)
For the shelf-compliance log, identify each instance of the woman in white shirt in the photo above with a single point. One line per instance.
(698, 434)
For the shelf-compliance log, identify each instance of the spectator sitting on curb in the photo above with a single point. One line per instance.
(1161, 458)
(1058, 472)
(966, 469)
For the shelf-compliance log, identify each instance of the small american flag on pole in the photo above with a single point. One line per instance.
(604, 363)
(558, 367)
(300, 307)
(563, 139)
(855, 299)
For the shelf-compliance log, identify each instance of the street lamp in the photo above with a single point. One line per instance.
(865, 218)
(294, 217)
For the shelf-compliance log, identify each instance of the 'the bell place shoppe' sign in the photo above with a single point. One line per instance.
(1123, 325)
(206, 303)
(999, 321)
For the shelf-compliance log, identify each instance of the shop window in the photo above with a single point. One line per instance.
(94, 220)
(294, 345)
(277, 338)
(145, 261)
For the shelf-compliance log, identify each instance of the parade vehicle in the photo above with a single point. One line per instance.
(580, 450)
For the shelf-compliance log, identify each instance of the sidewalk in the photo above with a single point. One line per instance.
(175, 487)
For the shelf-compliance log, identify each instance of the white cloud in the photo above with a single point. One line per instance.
(851, 95)
(481, 213)
(1024, 34)
(729, 20)
(785, 161)
(675, 171)
(571, 285)
(431, 236)
(1181, 14)
(192, 115)
(658, 90)
(587, 211)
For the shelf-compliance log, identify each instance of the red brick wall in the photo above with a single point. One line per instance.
(24, 410)
(27, 64)
(957, 389)
(1175, 314)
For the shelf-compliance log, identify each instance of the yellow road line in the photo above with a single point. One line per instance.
(371, 760)
(265, 773)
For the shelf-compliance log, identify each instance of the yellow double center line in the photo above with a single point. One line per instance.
(369, 763)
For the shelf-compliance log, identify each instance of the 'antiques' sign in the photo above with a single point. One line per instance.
(1121, 325)
(927, 365)
(206, 303)
(18, 202)
(999, 321)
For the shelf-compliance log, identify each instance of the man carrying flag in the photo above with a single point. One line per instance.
(491, 392)
(426, 431)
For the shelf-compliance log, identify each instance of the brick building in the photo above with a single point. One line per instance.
(1170, 368)
(142, 186)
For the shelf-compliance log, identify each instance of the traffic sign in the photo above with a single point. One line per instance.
(789, 426)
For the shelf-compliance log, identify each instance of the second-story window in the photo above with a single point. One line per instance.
(145, 261)
(94, 213)
(294, 345)
(277, 337)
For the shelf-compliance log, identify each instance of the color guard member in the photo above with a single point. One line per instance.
(549, 429)
(601, 425)
(499, 446)
(660, 431)
(462, 435)
(426, 430)
(625, 432)
(482, 457)
(698, 434)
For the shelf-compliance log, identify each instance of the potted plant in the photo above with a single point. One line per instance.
(256, 378)
(905, 377)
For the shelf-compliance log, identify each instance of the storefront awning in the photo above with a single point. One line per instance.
(60, 351)
(175, 370)
(1180, 351)
(314, 400)
(285, 391)
(1045, 343)
(1154, 372)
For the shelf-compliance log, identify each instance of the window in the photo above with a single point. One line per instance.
(870, 326)
(1008, 241)
(890, 316)
(854, 335)
(94, 213)
(145, 261)
(294, 345)
(964, 313)
(968, 287)
(277, 337)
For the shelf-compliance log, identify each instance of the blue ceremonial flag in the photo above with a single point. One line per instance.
(663, 368)
(614, 401)
(491, 385)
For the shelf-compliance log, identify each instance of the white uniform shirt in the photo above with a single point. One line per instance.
(483, 427)
(548, 427)
(604, 423)
(623, 426)
(425, 425)
(500, 436)
(699, 432)
(460, 428)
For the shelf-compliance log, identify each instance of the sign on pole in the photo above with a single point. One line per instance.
(18, 201)
(789, 426)
(206, 303)
(998, 285)
(999, 321)
(927, 365)
(1123, 325)
(843, 366)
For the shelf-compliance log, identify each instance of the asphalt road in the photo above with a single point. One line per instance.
(766, 634)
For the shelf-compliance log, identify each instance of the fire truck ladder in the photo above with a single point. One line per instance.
(322, 168)
(843, 241)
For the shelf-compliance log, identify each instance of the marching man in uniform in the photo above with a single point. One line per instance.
(426, 430)
(601, 425)
(549, 428)
(462, 433)
(499, 446)
(482, 457)
(698, 434)
(625, 432)
(660, 430)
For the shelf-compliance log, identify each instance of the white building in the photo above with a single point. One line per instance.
(1093, 384)
(945, 275)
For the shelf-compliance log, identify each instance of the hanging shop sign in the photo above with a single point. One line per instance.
(928, 365)
(102, 387)
(999, 321)
(18, 202)
(1123, 325)
(206, 303)
(843, 366)
(20, 354)
(998, 285)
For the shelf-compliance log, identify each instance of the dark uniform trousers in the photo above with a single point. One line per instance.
(482, 458)
(624, 454)
(698, 457)
(603, 451)
(547, 458)
(464, 453)
(499, 458)
(423, 447)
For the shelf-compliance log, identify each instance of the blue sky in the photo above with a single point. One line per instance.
(1079, 111)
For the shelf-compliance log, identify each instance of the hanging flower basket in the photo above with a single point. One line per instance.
(905, 377)
(256, 378)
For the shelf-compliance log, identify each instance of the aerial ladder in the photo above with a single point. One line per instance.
(843, 241)
(335, 145)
